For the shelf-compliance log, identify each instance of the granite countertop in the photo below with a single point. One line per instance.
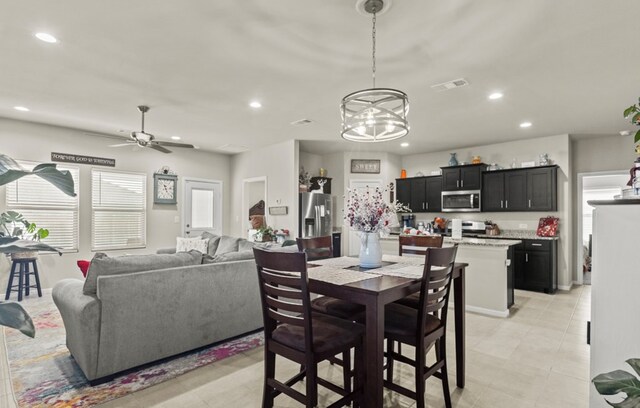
(470, 241)
(516, 234)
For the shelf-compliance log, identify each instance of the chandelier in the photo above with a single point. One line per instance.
(375, 114)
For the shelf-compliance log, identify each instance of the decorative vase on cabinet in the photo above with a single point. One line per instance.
(370, 250)
(453, 160)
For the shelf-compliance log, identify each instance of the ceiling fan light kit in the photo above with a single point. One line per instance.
(375, 114)
(144, 139)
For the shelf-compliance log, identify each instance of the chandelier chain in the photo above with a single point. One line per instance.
(373, 53)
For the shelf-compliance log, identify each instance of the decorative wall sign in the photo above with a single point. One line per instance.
(76, 158)
(282, 210)
(165, 188)
(365, 166)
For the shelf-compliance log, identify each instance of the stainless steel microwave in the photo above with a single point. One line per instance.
(461, 201)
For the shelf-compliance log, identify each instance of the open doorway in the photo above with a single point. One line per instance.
(254, 198)
(593, 186)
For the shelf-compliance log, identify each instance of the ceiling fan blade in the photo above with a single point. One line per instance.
(173, 144)
(123, 144)
(159, 148)
(107, 136)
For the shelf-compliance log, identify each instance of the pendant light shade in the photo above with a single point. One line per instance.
(374, 114)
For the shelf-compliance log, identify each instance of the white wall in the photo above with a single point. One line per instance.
(311, 163)
(279, 164)
(35, 142)
(503, 153)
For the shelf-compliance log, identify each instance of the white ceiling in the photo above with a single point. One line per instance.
(567, 66)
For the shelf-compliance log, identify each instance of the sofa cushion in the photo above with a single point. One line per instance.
(187, 244)
(227, 244)
(102, 265)
(244, 245)
(214, 240)
(229, 256)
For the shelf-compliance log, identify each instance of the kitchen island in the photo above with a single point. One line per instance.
(489, 276)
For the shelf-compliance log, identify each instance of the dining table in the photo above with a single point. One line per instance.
(398, 277)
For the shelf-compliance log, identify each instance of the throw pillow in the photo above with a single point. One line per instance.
(84, 267)
(244, 245)
(228, 257)
(103, 265)
(187, 244)
(214, 240)
(227, 244)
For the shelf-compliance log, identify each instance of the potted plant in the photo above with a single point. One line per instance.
(13, 224)
(620, 382)
(633, 114)
(304, 179)
(265, 234)
(12, 314)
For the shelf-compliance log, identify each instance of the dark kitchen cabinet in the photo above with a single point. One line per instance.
(403, 191)
(536, 265)
(421, 194)
(468, 177)
(493, 191)
(532, 189)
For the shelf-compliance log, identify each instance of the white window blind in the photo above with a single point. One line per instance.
(46, 206)
(118, 210)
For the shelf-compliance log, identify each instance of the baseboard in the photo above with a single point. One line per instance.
(487, 312)
(565, 287)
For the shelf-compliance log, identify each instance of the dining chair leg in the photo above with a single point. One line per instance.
(420, 380)
(390, 344)
(11, 276)
(358, 381)
(269, 372)
(312, 385)
(346, 371)
(445, 375)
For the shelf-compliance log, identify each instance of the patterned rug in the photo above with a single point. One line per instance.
(44, 374)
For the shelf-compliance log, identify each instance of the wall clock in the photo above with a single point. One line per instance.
(165, 188)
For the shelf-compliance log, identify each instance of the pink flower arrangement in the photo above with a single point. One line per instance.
(367, 211)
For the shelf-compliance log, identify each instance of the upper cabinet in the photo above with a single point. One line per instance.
(462, 177)
(531, 189)
(421, 194)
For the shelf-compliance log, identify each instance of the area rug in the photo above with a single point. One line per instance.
(44, 374)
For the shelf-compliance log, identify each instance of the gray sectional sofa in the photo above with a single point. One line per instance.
(136, 309)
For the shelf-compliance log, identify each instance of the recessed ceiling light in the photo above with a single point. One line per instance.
(175, 137)
(405, 144)
(255, 104)
(496, 95)
(46, 38)
(525, 124)
(21, 108)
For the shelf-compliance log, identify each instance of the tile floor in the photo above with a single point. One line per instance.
(537, 357)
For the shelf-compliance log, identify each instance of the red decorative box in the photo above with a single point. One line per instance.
(548, 227)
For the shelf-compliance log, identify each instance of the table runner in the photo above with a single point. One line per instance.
(338, 276)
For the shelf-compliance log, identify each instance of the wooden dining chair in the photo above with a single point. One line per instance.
(416, 245)
(421, 241)
(316, 247)
(423, 327)
(293, 331)
(321, 248)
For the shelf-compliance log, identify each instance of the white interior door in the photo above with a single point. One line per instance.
(202, 209)
(354, 237)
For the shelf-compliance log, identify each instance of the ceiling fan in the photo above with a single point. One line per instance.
(144, 139)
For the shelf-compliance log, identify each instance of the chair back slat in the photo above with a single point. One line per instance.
(316, 247)
(436, 284)
(422, 241)
(284, 291)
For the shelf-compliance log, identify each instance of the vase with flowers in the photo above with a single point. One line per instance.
(369, 214)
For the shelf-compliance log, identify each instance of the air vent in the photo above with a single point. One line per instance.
(301, 122)
(231, 148)
(445, 86)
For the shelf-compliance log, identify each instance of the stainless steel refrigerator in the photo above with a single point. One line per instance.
(315, 215)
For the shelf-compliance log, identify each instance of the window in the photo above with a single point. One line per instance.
(587, 210)
(46, 206)
(118, 210)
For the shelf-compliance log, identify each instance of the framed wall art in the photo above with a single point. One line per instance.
(369, 166)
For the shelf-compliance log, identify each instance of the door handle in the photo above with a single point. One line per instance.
(457, 183)
(529, 203)
(471, 200)
(188, 225)
(427, 205)
(526, 257)
(536, 244)
(506, 203)
(461, 183)
(501, 203)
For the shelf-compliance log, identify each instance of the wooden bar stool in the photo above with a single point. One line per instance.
(24, 268)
